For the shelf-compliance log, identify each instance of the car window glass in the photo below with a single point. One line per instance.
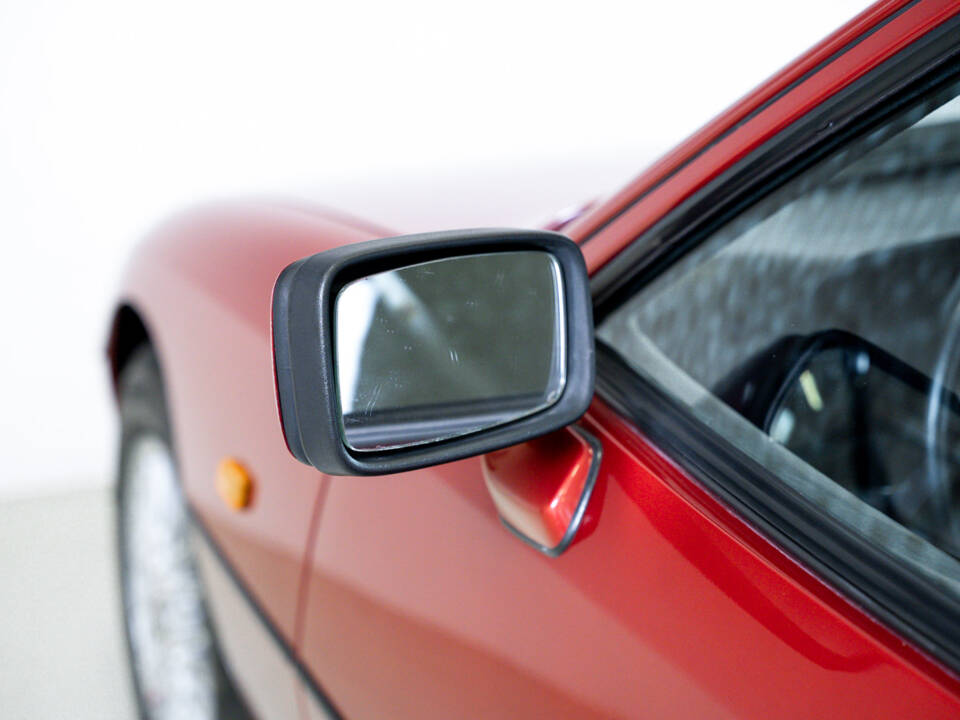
(820, 332)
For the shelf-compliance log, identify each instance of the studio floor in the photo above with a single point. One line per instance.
(61, 648)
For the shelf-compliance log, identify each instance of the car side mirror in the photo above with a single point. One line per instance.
(400, 353)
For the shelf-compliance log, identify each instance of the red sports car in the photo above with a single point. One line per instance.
(692, 453)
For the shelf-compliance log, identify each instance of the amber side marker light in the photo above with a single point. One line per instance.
(234, 484)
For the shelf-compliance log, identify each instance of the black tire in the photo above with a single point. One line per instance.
(143, 415)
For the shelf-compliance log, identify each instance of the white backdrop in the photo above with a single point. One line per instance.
(114, 113)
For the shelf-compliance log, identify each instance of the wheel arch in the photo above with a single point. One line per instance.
(128, 331)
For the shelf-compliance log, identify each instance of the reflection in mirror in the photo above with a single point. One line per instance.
(448, 347)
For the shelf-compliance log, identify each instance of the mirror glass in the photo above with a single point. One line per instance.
(448, 347)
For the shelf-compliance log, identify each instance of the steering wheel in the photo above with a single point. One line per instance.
(937, 481)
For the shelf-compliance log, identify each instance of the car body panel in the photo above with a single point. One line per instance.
(671, 607)
(257, 662)
(202, 284)
(404, 595)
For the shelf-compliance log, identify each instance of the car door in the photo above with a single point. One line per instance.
(745, 554)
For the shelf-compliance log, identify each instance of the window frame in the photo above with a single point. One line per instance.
(866, 574)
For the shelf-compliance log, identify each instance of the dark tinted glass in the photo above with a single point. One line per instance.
(821, 327)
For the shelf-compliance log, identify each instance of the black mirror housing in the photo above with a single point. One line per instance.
(304, 336)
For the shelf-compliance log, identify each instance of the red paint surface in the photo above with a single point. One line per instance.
(537, 486)
(421, 604)
(413, 600)
(203, 284)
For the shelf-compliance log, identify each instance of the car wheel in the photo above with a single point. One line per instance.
(177, 672)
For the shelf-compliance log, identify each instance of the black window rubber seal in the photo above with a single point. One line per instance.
(873, 579)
